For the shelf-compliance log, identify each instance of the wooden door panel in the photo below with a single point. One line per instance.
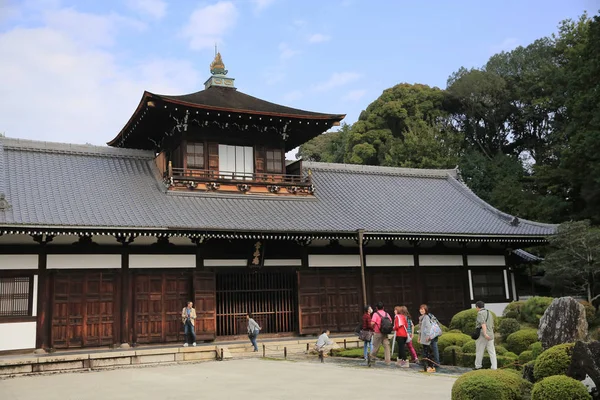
(205, 304)
(392, 286)
(444, 291)
(309, 302)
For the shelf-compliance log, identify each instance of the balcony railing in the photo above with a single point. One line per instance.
(225, 177)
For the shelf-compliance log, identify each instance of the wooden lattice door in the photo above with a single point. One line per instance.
(444, 291)
(205, 304)
(392, 286)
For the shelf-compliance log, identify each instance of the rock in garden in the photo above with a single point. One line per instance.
(563, 322)
(585, 362)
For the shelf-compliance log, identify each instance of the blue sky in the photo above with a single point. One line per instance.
(74, 71)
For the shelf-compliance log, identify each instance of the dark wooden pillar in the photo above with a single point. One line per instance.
(420, 295)
(465, 277)
(126, 314)
(44, 296)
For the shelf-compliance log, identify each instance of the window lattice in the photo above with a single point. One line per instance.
(14, 296)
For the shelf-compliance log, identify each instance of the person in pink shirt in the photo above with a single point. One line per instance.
(380, 320)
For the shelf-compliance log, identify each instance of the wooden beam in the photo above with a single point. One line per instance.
(362, 265)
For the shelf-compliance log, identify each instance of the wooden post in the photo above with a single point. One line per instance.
(44, 296)
(362, 266)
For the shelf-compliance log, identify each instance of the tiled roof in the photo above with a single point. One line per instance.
(65, 185)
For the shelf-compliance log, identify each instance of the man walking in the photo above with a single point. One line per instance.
(382, 327)
(485, 321)
(188, 317)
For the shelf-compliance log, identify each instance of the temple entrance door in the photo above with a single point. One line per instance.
(83, 309)
(392, 286)
(444, 291)
(329, 299)
(205, 304)
(158, 300)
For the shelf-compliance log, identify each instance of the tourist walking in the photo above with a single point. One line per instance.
(409, 338)
(401, 334)
(429, 330)
(253, 330)
(382, 327)
(188, 317)
(485, 324)
(366, 332)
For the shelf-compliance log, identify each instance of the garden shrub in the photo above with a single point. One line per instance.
(590, 311)
(513, 310)
(454, 331)
(534, 308)
(452, 339)
(465, 321)
(501, 350)
(559, 387)
(536, 349)
(508, 360)
(508, 326)
(490, 385)
(528, 371)
(519, 341)
(447, 357)
(525, 357)
(469, 347)
(554, 361)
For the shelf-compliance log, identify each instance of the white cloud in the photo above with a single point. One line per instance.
(506, 45)
(354, 95)
(292, 96)
(319, 38)
(207, 25)
(75, 89)
(285, 52)
(153, 8)
(262, 4)
(337, 79)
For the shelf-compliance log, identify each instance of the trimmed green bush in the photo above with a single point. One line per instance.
(469, 347)
(501, 350)
(554, 361)
(525, 357)
(559, 387)
(454, 331)
(519, 341)
(536, 349)
(513, 310)
(508, 326)
(448, 355)
(451, 339)
(355, 353)
(534, 308)
(468, 360)
(528, 371)
(465, 321)
(490, 385)
(590, 311)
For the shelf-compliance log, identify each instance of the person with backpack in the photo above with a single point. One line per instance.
(401, 330)
(382, 327)
(411, 327)
(429, 331)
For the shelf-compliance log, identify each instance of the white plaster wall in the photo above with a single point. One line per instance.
(19, 261)
(218, 262)
(430, 260)
(389, 260)
(162, 261)
(496, 308)
(283, 262)
(17, 336)
(484, 261)
(334, 260)
(83, 261)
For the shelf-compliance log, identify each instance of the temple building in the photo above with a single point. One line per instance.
(194, 200)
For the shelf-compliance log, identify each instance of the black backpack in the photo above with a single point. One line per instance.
(385, 326)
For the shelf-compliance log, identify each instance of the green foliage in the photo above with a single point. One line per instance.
(559, 388)
(355, 353)
(490, 385)
(513, 310)
(507, 360)
(469, 347)
(534, 308)
(525, 357)
(519, 341)
(466, 320)
(447, 355)
(452, 339)
(501, 350)
(536, 349)
(508, 326)
(590, 312)
(554, 361)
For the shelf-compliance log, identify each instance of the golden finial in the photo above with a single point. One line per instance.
(217, 67)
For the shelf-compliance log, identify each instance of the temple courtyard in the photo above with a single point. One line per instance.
(236, 379)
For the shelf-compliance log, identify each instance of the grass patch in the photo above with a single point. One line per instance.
(354, 353)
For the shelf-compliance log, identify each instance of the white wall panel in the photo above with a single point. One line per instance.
(430, 260)
(218, 262)
(291, 262)
(17, 336)
(83, 261)
(334, 260)
(389, 260)
(484, 261)
(162, 261)
(35, 296)
(19, 261)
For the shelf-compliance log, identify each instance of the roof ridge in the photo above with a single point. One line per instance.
(381, 170)
(71, 148)
(508, 218)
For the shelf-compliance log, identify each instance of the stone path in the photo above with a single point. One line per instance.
(237, 379)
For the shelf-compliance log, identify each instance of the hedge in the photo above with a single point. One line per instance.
(507, 361)
(513, 310)
(590, 311)
(528, 371)
(554, 361)
(534, 308)
(525, 357)
(451, 339)
(470, 347)
(519, 341)
(465, 321)
(447, 357)
(508, 326)
(559, 387)
(490, 385)
(536, 349)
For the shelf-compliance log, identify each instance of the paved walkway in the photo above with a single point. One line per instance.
(238, 379)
